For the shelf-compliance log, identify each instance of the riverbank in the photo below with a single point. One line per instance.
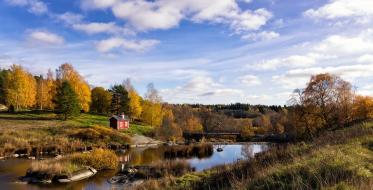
(35, 134)
(70, 168)
(341, 159)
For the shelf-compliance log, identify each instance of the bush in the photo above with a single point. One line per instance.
(99, 159)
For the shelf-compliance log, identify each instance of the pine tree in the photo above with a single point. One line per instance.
(120, 100)
(101, 100)
(67, 101)
(77, 82)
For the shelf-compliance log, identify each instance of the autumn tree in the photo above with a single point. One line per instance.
(120, 101)
(67, 102)
(152, 107)
(101, 100)
(51, 89)
(186, 118)
(326, 102)
(193, 124)
(79, 85)
(169, 130)
(135, 107)
(363, 107)
(20, 88)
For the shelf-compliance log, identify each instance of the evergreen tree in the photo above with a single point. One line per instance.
(120, 100)
(67, 101)
(2, 86)
(101, 100)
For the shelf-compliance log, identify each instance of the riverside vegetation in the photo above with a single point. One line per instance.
(341, 159)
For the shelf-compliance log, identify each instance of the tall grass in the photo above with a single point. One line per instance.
(336, 159)
(100, 159)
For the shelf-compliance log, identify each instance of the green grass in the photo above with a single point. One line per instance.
(90, 120)
(140, 129)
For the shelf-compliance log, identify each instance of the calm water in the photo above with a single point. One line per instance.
(11, 169)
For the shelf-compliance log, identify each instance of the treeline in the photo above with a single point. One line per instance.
(327, 102)
(67, 93)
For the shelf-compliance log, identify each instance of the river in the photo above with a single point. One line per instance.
(11, 169)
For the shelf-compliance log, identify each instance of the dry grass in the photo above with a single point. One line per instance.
(99, 159)
(35, 133)
(336, 160)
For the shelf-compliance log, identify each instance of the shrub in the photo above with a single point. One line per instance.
(99, 159)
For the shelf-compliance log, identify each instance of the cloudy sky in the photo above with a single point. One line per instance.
(195, 51)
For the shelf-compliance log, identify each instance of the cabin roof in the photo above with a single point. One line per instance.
(119, 118)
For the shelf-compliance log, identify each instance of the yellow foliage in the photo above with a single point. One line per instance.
(80, 86)
(152, 113)
(363, 107)
(135, 107)
(193, 124)
(20, 88)
(46, 90)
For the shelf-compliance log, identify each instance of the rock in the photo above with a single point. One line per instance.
(58, 157)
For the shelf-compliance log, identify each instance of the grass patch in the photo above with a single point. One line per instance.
(100, 159)
(145, 130)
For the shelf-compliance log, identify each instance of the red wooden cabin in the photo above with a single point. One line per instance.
(119, 122)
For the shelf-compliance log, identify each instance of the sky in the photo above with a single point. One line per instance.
(194, 51)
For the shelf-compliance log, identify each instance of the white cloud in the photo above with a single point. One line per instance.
(125, 44)
(264, 35)
(342, 9)
(97, 4)
(166, 14)
(70, 18)
(45, 37)
(297, 78)
(33, 6)
(97, 27)
(202, 88)
(338, 44)
(337, 48)
(366, 90)
(293, 61)
(367, 58)
(250, 80)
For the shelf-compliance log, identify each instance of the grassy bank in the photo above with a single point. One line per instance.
(100, 159)
(341, 159)
(31, 133)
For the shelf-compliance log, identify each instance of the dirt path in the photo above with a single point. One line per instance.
(140, 140)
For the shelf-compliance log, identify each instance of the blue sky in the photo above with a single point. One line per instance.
(210, 51)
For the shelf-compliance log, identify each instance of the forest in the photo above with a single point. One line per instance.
(327, 102)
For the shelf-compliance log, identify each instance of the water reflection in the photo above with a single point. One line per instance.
(11, 169)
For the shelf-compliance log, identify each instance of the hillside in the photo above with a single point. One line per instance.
(341, 159)
(26, 132)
